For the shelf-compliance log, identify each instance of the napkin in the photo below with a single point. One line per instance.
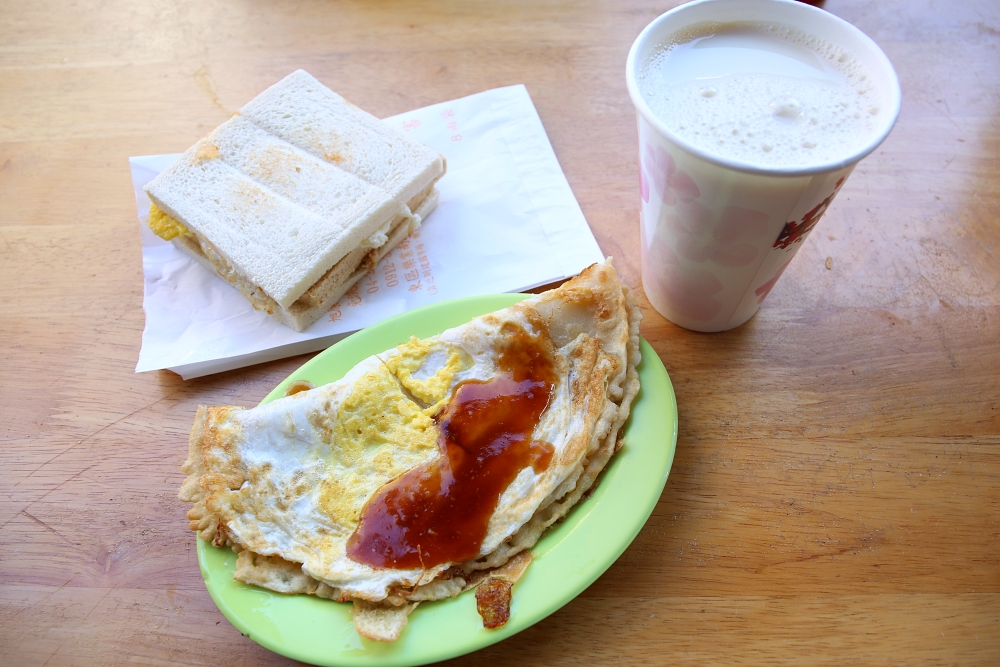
(507, 221)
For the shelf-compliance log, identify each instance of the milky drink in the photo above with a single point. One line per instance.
(751, 115)
(761, 94)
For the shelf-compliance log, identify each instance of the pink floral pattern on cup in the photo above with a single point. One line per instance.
(686, 291)
(730, 244)
(671, 183)
(765, 289)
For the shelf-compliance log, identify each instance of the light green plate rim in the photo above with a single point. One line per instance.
(570, 557)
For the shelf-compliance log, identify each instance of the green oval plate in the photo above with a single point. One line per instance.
(568, 558)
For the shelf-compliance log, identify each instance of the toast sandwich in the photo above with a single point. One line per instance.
(295, 197)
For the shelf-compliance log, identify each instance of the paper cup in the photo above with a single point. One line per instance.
(717, 233)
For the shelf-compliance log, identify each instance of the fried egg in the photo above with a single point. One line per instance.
(343, 490)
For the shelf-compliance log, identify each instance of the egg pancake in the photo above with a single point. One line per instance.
(427, 469)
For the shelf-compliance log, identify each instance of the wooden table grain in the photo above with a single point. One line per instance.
(835, 495)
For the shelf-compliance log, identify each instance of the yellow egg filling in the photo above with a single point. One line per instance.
(378, 435)
(432, 390)
(164, 226)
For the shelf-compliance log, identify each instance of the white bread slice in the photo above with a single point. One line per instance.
(274, 215)
(305, 113)
(328, 289)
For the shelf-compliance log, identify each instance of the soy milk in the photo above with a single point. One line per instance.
(763, 94)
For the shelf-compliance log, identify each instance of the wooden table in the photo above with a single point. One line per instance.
(835, 495)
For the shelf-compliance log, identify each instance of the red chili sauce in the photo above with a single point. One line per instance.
(439, 512)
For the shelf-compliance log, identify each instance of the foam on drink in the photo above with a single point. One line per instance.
(760, 93)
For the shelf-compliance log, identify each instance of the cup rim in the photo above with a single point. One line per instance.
(892, 103)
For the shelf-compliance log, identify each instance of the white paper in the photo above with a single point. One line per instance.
(507, 221)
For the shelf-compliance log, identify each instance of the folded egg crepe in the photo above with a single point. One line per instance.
(295, 197)
(429, 469)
